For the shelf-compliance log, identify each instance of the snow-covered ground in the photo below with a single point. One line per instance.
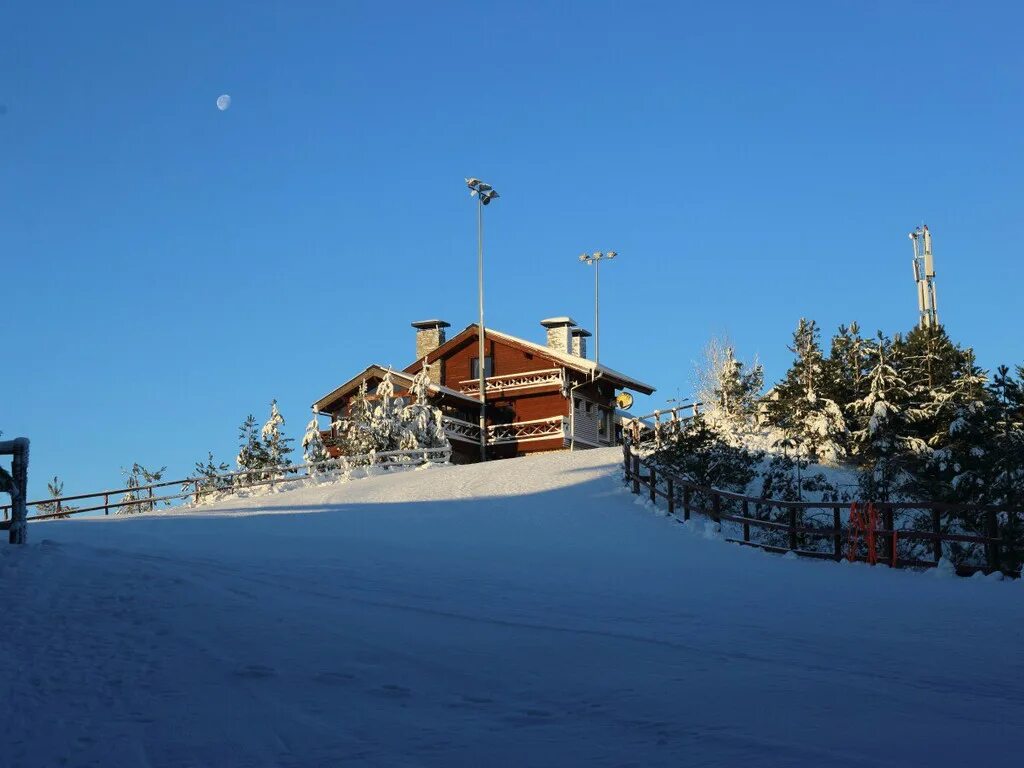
(523, 613)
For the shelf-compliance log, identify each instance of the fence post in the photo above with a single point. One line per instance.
(686, 502)
(653, 479)
(992, 526)
(890, 525)
(937, 530)
(716, 508)
(837, 537)
(152, 506)
(636, 474)
(625, 458)
(671, 497)
(792, 527)
(106, 503)
(746, 520)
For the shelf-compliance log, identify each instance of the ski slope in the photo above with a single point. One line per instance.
(523, 613)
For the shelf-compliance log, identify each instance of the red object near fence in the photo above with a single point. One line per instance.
(863, 523)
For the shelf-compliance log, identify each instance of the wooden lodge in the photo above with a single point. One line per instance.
(539, 397)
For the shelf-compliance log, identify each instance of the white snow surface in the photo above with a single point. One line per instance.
(519, 613)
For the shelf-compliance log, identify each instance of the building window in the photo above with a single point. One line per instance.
(474, 367)
(576, 403)
(590, 406)
(602, 427)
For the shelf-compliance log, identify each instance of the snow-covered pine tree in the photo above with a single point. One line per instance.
(385, 420)
(421, 421)
(313, 450)
(210, 477)
(813, 422)
(732, 395)
(1007, 455)
(698, 453)
(135, 500)
(55, 508)
(354, 434)
(844, 369)
(884, 438)
(252, 452)
(277, 446)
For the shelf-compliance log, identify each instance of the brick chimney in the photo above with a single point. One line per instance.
(429, 336)
(579, 341)
(559, 333)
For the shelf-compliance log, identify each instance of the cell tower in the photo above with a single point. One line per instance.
(924, 277)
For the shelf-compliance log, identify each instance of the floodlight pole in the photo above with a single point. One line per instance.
(481, 348)
(595, 260)
(484, 194)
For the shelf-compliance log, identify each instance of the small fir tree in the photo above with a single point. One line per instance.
(314, 452)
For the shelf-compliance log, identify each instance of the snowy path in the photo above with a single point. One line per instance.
(525, 613)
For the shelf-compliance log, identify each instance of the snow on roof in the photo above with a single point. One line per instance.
(554, 322)
(574, 361)
(400, 376)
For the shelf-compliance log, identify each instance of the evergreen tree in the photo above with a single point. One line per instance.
(55, 508)
(845, 375)
(421, 421)
(697, 453)
(210, 476)
(135, 499)
(252, 452)
(884, 438)
(354, 433)
(276, 445)
(805, 416)
(313, 450)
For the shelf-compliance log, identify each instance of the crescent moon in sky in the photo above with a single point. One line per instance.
(223, 102)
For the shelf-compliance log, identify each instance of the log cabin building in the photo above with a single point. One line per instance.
(539, 397)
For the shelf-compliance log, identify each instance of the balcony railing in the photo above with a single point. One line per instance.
(527, 431)
(515, 381)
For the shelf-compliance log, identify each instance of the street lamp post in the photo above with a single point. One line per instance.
(595, 259)
(484, 194)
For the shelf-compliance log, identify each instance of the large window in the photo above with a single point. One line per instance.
(474, 367)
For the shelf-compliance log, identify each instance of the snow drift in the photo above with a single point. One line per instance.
(526, 612)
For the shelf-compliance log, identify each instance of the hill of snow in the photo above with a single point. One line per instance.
(523, 613)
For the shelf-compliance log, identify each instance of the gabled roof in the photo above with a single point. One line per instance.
(581, 364)
(378, 371)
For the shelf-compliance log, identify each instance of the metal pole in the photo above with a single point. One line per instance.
(481, 367)
(597, 313)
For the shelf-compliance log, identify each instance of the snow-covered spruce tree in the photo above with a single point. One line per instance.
(884, 437)
(55, 508)
(698, 453)
(844, 379)
(209, 475)
(252, 453)
(277, 446)
(313, 450)
(798, 408)
(135, 501)
(1007, 456)
(421, 421)
(954, 418)
(729, 393)
(354, 432)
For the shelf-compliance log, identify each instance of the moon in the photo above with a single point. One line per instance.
(223, 102)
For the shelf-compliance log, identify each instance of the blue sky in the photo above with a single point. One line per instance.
(174, 267)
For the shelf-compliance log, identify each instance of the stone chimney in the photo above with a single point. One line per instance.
(579, 341)
(559, 333)
(429, 336)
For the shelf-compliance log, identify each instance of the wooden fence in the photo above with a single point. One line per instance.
(195, 489)
(908, 534)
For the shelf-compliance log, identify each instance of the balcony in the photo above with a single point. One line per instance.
(513, 382)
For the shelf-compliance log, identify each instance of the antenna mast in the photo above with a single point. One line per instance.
(924, 277)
